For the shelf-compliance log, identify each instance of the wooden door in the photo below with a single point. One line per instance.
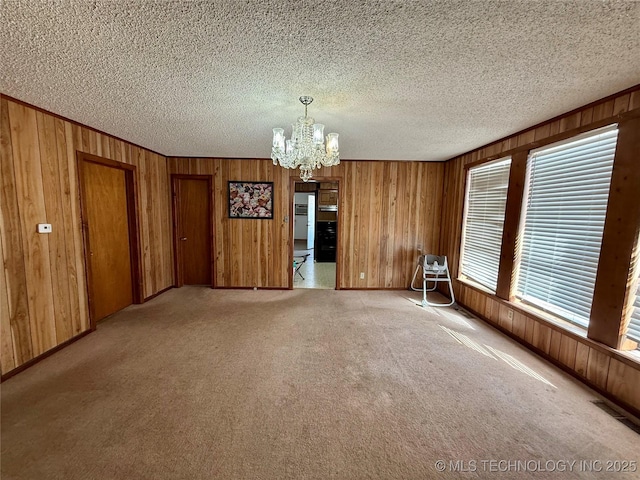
(193, 230)
(106, 222)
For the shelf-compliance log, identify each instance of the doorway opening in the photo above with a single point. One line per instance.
(315, 234)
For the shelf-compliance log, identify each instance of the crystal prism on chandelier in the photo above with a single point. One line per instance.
(306, 148)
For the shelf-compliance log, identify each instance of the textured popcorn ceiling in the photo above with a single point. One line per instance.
(397, 79)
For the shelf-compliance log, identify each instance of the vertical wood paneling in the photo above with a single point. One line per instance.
(603, 110)
(248, 252)
(143, 210)
(7, 195)
(542, 132)
(569, 122)
(623, 381)
(404, 214)
(386, 209)
(621, 104)
(529, 328)
(67, 227)
(393, 207)
(541, 337)
(360, 241)
(159, 206)
(157, 239)
(554, 347)
(220, 257)
(14, 273)
(55, 216)
(348, 218)
(582, 359)
(406, 249)
(43, 288)
(504, 321)
(598, 367)
(7, 350)
(373, 271)
(94, 147)
(492, 310)
(30, 190)
(433, 201)
(164, 227)
(568, 348)
(452, 211)
(82, 321)
(390, 220)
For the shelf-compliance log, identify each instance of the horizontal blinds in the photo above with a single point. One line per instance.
(484, 219)
(564, 220)
(633, 331)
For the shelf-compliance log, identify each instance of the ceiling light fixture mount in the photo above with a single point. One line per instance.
(305, 149)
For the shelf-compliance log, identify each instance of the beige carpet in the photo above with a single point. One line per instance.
(302, 384)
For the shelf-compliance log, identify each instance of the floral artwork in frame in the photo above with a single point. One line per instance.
(251, 200)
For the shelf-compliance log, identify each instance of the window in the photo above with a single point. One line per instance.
(565, 211)
(633, 331)
(483, 221)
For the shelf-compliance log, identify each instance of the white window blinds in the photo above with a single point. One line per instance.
(633, 331)
(483, 221)
(565, 212)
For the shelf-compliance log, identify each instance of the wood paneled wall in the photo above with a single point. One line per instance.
(612, 372)
(247, 252)
(386, 209)
(43, 288)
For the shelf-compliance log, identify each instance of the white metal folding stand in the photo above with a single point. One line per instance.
(298, 261)
(434, 269)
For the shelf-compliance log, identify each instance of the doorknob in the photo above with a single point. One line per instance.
(183, 238)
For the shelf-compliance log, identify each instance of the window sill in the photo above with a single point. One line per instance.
(555, 323)
(529, 310)
(565, 325)
(470, 283)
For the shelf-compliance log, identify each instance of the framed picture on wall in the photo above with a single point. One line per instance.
(251, 200)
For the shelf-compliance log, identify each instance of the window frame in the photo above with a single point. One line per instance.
(559, 312)
(468, 275)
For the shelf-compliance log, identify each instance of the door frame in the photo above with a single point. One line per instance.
(178, 279)
(292, 192)
(131, 191)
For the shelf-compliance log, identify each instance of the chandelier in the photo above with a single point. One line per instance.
(305, 149)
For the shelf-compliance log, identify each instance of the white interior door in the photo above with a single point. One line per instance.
(311, 221)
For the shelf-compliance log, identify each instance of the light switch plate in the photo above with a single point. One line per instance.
(44, 228)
